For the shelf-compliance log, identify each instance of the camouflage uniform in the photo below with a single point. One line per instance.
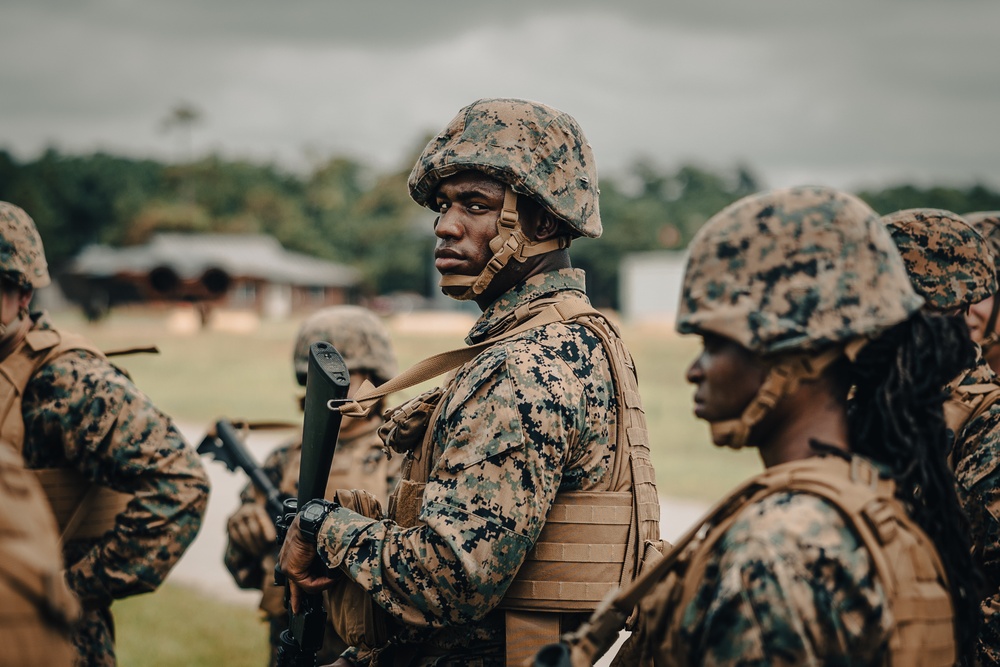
(789, 581)
(82, 413)
(530, 416)
(951, 266)
(360, 461)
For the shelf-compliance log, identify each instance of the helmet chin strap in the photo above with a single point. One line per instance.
(509, 243)
(783, 379)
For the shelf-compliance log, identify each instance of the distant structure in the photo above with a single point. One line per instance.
(650, 286)
(234, 271)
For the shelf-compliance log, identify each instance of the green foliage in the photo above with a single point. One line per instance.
(176, 625)
(344, 211)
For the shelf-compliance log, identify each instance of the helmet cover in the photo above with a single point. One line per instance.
(22, 257)
(535, 149)
(794, 270)
(359, 336)
(949, 262)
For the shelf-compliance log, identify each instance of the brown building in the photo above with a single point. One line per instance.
(232, 271)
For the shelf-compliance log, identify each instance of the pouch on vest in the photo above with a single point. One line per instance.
(351, 609)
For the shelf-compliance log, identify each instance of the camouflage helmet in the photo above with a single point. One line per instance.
(356, 332)
(22, 257)
(794, 270)
(949, 262)
(537, 150)
(987, 223)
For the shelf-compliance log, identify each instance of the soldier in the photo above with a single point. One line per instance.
(982, 317)
(359, 463)
(128, 492)
(828, 557)
(37, 608)
(951, 266)
(527, 491)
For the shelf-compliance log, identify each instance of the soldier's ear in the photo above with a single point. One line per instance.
(548, 226)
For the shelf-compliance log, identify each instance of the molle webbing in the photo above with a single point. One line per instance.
(82, 509)
(904, 558)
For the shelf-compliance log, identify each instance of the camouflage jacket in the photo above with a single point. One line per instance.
(976, 463)
(789, 583)
(528, 417)
(81, 412)
(360, 463)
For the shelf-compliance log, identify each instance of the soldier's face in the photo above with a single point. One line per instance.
(14, 299)
(468, 205)
(726, 378)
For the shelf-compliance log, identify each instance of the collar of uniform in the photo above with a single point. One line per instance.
(494, 319)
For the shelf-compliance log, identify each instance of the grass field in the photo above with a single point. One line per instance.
(201, 375)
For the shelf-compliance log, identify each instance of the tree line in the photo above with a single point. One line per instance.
(345, 211)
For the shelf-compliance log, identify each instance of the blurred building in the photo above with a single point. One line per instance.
(251, 272)
(650, 286)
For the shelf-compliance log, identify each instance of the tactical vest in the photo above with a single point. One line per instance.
(82, 509)
(36, 605)
(905, 560)
(593, 541)
(964, 404)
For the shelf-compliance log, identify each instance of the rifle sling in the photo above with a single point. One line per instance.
(549, 313)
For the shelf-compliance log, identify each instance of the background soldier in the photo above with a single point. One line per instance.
(983, 319)
(952, 267)
(359, 463)
(547, 407)
(128, 492)
(828, 557)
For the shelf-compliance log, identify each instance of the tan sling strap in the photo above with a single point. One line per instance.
(82, 509)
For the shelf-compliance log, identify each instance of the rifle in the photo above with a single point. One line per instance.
(224, 445)
(327, 382)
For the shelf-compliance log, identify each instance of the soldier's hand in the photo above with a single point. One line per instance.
(299, 562)
(251, 529)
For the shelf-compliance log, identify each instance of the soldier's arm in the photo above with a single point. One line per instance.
(246, 568)
(80, 409)
(505, 444)
(978, 476)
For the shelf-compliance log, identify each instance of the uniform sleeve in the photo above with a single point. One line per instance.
(247, 569)
(790, 585)
(503, 439)
(978, 477)
(101, 424)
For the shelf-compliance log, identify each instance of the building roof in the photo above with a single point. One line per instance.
(191, 255)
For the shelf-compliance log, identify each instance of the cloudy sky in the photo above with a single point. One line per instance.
(841, 92)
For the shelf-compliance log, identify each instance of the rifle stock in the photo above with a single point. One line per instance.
(327, 383)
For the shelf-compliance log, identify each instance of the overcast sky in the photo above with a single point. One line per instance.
(840, 92)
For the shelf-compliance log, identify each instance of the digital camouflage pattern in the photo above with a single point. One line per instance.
(535, 149)
(795, 269)
(22, 257)
(529, 416)
(790, 583)
(359, 463)
(359, 336)
(949, 262)
(81, 412)
(976, 463)
(987, 223)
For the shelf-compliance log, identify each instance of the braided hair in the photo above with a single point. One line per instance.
(896, 419)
